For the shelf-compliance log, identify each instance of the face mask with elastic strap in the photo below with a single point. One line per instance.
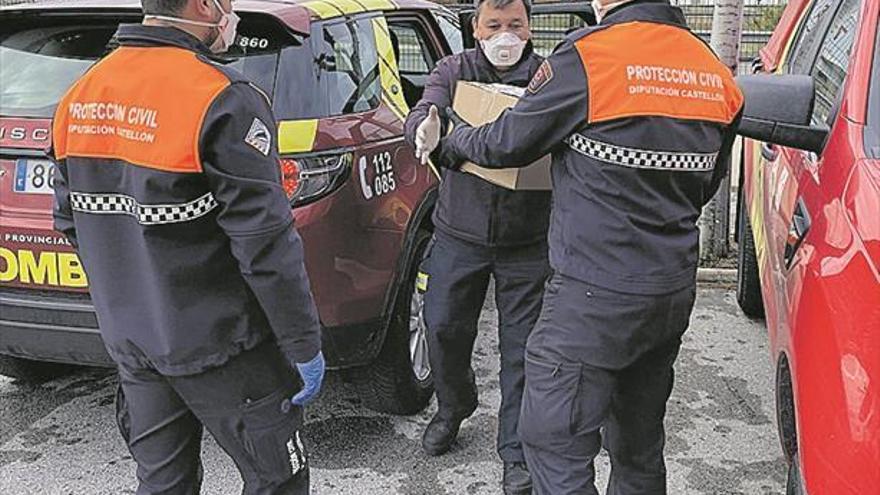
(504, 49)
(226, 25)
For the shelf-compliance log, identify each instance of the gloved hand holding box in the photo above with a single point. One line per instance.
(478, 104)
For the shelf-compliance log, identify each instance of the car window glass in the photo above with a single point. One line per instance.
(451, 31)
(872, 130)
(40, 58)
(411, 49)
(349, 67)
(809, 34)
(831, 65)
(260, 69)
(38, 64)
(549, 29)
(259, 40)
(298, 93)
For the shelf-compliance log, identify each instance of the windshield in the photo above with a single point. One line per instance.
(38, 65)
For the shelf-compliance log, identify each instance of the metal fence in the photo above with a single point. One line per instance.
(758, 24)
(759, 20)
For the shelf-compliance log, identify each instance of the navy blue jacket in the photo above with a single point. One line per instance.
(640, 116)
(169, 187)
(470, 208)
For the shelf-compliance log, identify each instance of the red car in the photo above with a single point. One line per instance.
(342, 74)
(362, 202)
(809, 237)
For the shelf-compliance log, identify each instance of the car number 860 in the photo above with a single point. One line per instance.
(247, 42)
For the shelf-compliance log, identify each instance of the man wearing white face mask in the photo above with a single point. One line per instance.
(639, 116)
(482, 231)
(169, 187)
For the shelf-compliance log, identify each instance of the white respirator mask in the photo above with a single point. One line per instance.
(504, 49)
(600, 10)
(226, 25)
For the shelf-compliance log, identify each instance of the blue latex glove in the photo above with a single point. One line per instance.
(312, 374)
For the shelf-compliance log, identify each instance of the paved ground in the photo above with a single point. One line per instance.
(59, 437)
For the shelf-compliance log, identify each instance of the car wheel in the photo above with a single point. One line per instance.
(28, 371)
(748, 281)
(399, 381)
(795, 483)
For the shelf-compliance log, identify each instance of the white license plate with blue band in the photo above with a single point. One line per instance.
(34, 176)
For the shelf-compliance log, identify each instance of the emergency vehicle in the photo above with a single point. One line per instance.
(341, 74)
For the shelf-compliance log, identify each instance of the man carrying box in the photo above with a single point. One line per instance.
(482, 230)
(640, 116)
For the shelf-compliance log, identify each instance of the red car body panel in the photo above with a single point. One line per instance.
(354, 272)
(823, 313)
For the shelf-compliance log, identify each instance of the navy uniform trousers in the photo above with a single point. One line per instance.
(162, 418)
(599, 372)
(459, 274)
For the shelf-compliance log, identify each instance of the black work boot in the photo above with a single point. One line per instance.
(439, 435)
(516, 479)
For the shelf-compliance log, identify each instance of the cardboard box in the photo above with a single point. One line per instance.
(478, 104)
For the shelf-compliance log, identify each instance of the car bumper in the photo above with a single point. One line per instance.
(46, 328)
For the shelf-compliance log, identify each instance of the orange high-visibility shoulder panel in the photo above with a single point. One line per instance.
(642, 69)
(145, 106)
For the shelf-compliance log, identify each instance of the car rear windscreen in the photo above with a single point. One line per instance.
(41, 57)
(38, 64)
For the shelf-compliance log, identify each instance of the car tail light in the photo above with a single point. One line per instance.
(308, 178)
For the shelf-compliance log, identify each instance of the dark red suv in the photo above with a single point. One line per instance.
(342, 74)
(361, 201)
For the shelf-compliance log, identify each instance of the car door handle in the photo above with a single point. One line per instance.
(800, 225)
(769, 151)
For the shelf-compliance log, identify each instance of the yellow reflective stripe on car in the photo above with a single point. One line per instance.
(326, 9)
(323, 9)
(378, 4)
(755, 210)
(392, 90)
(297, 136)
(348, 7)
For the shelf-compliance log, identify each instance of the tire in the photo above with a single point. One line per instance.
(28, 371)
(795, 483)
(748, 281)
(399, 381)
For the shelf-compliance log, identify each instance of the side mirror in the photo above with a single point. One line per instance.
(778, 110)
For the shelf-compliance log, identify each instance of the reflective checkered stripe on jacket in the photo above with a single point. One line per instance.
(641, 158)
(120, 204)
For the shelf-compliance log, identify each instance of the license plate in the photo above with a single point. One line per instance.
(34, 177)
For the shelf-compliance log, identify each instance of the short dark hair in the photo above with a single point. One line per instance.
(500, 4)
(163, 7)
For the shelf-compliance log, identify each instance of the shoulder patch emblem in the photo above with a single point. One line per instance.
(259, 137)
(542, 77)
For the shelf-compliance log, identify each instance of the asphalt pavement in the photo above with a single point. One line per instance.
(59, 437)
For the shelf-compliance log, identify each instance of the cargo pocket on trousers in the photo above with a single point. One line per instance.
(123, 420)
(271, 439)
(547, 413)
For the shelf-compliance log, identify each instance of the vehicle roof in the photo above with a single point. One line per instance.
(295, 13)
